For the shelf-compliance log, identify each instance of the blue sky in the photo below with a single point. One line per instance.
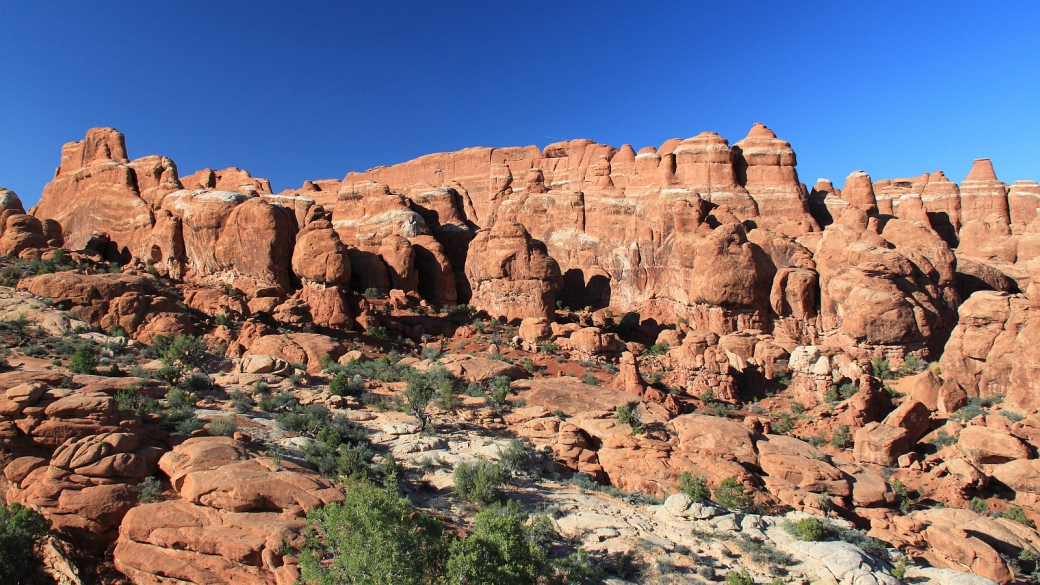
(291, 93)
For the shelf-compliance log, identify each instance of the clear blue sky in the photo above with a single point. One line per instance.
(295, 91)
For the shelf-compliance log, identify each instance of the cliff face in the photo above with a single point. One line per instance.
(723, 236)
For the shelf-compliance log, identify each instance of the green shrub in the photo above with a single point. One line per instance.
(656, 349)
(741, 577)
(529, 366)
(627, 415)
(694, 486)
(764, 553)
(1018, 515)
(809, 529)
(241, 401)
(169, 374)
(187, 425)
(130, 398)
(501, 551)
(198, 381)
(730, 494)
(149, 490)
(978, 505)
(899, 569)
(422, 388)
(514, 457)
(590, 379)
(372, 293)
(22, 531)
(548, 347)
(784, 425)
(281, 402)
(379, 333)
(498, 390)
(392, 471)
(578, 567)
(224, 320)
(975, 407)
(34, 351)
(881, 369)
(479, 482)
(912, 364)
(223, 426)
(842, 439)
(186, 350)
(340, 386)
(374, 537)
(84, 361)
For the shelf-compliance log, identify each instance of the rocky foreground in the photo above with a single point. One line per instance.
(685, 365)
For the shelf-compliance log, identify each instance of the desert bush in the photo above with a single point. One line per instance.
(1018, 515)
(241, 401)
(590, 379)
(130, 398)
(694, 486)
(842, 439)
(84, 361)
(942, 439)
(514, 457)
(764, 553)
(975, 407)
(22, 531)
(480, 481)
(373, 537)
(730, 494)
(529, 366)
(186, 350)
(656, 349)
(197, 381)
(149, 490)
(627, 415)
(741, 577)
(881, 369)
(809, 529)
(223, 426)
(169, 373)
(36, 351)
(501, 550)
(978, 505)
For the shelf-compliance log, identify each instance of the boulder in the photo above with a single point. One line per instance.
(880, 444)
(912, 416)
(990, 446)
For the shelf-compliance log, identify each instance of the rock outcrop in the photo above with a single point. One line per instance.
(512, 275)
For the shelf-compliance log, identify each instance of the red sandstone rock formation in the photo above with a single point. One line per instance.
(982, 194)
(95, 191)
(511, 274)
